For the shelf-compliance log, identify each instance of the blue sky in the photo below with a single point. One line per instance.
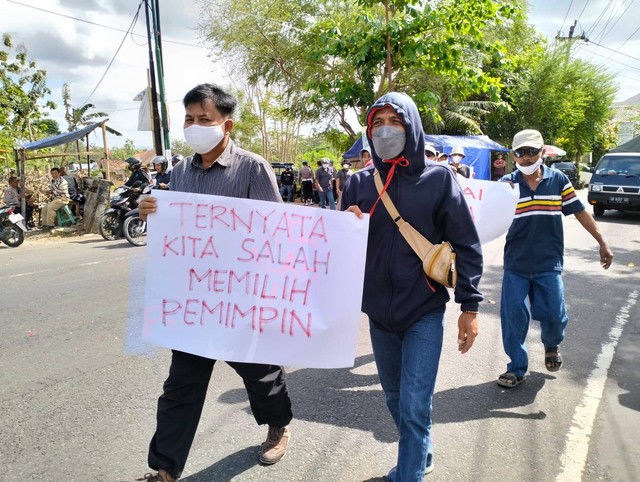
(78, 53)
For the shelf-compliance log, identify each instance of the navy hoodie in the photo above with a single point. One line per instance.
(397, 293)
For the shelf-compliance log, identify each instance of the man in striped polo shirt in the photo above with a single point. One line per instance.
(533, 257)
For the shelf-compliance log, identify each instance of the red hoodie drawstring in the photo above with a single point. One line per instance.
(394, 162)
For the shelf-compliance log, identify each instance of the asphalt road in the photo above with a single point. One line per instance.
(76, 405)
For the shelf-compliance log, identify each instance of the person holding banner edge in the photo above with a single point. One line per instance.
(405, 308)
(219, 167)
(533, 257)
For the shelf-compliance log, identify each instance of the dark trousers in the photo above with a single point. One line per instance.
(184, 392)
(307, 190)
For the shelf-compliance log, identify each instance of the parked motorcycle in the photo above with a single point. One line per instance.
(135, 229)
(123, 200)
(12, 227)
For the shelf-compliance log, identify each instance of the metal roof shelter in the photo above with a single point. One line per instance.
(20, 153)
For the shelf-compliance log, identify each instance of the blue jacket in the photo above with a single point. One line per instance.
(397, 293)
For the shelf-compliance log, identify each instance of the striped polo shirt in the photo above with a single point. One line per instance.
(535, 241)
(236, 173)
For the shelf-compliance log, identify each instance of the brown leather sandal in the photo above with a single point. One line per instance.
(552, 358)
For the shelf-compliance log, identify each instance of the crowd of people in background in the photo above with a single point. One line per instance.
(323, 185)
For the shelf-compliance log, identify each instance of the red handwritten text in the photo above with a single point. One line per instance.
(198, 311)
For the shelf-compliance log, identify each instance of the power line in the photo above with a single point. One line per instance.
(133, 22)
(614, 23)
(102, 25)
(617, 51)
(604, 32)
(584, 47)
(583, 9)
(566, 15)
(593, 27)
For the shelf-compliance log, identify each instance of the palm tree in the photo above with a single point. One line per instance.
(77, 117)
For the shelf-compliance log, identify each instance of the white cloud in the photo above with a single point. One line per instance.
(78, 53)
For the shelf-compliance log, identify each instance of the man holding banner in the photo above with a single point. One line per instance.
(219, 167)
(405, 307)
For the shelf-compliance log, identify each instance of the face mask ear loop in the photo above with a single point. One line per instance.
(394, 162)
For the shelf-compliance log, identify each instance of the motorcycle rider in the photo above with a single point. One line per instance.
(162, 176)
(139, 179)
(176, 159)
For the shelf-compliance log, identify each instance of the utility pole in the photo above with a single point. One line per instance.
(155, 8)
(157, 139)
(570, 38)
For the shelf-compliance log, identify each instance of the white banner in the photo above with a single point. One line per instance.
(254, 281)
(492, 205)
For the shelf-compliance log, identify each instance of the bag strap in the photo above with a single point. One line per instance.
(417, 241)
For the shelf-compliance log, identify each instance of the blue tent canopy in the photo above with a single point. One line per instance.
(477, 150)
(63, 138)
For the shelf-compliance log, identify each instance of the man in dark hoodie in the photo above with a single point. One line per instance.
(405, 308)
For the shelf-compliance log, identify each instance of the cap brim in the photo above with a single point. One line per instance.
(535, 145)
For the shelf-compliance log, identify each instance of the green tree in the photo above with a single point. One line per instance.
(568, 100)
(81, 116)
(127, 150)
(432, 51)
(22, 91)
(48, 127)
(328, 57)
(179, 146)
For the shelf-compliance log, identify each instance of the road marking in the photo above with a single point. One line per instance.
(18, 275)
(24, 274)
(574, 457)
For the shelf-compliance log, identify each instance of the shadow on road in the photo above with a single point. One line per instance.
(227, 468)
(354, 401)
(618, 217)
(489, 400)
(337, 397)
(102, 243)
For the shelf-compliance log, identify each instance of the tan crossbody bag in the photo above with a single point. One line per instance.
(438, 260)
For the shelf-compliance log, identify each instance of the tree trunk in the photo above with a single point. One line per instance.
(97, 199)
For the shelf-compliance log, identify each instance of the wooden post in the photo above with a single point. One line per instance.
(106, 149)
(88, 157)
(21, 173)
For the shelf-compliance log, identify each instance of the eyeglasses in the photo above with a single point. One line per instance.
(429, 154)
(527, 151)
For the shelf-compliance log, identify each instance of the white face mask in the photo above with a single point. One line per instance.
(203, 139)
(528, 170)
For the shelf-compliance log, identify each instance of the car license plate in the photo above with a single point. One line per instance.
(619, 200)
(15, 217)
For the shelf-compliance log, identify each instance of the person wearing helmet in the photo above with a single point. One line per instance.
(176, 159)
(138, 179)
(162, 176)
